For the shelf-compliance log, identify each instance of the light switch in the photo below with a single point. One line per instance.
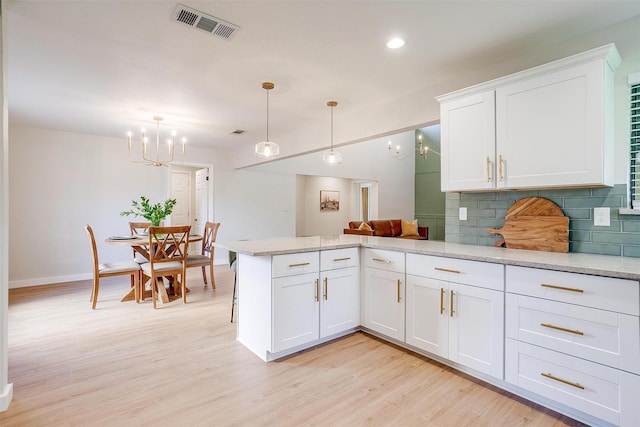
(463, 214)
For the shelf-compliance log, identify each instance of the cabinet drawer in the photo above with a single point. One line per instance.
(338, 258)
(292, 264)
(596, 335)
(606, 293)
(384, 260)
(586, 386)
(483, 274)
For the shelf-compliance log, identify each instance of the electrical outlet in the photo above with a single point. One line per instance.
(602, 217)
(462, 214)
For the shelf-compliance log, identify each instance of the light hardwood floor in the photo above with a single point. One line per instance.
(127, 365)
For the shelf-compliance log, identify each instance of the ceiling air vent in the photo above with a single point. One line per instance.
(210, 24)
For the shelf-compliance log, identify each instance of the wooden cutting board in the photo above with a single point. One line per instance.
(534, 223)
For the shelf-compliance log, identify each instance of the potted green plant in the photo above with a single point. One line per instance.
(154, 213)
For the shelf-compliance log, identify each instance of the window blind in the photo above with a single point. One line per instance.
(634, 183)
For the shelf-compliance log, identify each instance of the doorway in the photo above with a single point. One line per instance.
(192, 188)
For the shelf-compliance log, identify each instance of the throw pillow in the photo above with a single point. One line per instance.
(409, 228)
(364, 226)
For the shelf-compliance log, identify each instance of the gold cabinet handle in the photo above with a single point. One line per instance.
(576, 385)
(326, 288)
(559, 328)
(317, 289)
(446, 270)
(382, 260)
(562, 288)
(441, 300)
(451, 304)
(399, 290)
(500, 163)
(299, 265)
(488, 169)
(341, 259)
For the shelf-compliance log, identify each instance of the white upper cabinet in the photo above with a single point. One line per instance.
(550, 126)
(468, 135)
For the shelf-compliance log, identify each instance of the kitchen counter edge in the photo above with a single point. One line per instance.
(599, 265)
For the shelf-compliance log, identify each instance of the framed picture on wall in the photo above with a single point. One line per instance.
(329, 200)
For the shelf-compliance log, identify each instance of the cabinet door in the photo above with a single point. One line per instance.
(296, 310)
(550, 130)
(428, 315)
(468, 142)
(476, 328)
(384, 302)
(340, 302)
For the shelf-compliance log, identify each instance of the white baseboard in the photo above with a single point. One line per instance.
(38, 281)
(5, 397)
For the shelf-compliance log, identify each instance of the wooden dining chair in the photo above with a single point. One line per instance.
(205, 258)
(168, 248)
(140, 229)
(118, 268)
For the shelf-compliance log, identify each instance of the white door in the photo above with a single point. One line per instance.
(339, 301)
(549, 129)
(428, 314)
(296, 310)
(476, 328)
(468, 143)
(384, 302)
(202, 200)
(180, 190)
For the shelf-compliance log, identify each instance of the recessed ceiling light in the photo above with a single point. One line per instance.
(395, 43)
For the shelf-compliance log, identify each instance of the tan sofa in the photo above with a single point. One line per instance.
(385, 228)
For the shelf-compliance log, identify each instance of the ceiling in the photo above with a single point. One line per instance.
(105, 67)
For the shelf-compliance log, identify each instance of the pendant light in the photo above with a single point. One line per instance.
(267, 149)
(331, 157)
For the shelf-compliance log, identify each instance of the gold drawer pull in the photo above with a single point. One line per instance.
(326, 288)
(317, 290)
(441, 300)
(299, 265)
(446, 270)
(451, 304)
(576, 385)
(562, 288)
(399, 290)
(501, 164)
(488, 169)
(571, 331)
(341, 259)
(383, 260)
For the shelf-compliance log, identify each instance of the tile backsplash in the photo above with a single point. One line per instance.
(487, 210)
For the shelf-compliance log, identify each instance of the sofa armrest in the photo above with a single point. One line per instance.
(356, 231)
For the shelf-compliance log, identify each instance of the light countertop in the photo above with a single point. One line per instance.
(601, 265)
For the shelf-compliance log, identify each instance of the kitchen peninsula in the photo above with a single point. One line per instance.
(560, 329)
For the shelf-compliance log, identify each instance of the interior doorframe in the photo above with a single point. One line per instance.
(210, 187)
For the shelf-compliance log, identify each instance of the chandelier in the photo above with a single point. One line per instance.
(331, 157)
(422, 150)
(267, 149)
(150, 156)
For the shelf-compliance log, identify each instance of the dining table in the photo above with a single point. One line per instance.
(140, 244)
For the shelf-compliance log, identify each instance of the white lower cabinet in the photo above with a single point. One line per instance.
(340, 291)
(575, 339)
(384, 292)
(310, 306)
(296, 312)
(456, 321)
